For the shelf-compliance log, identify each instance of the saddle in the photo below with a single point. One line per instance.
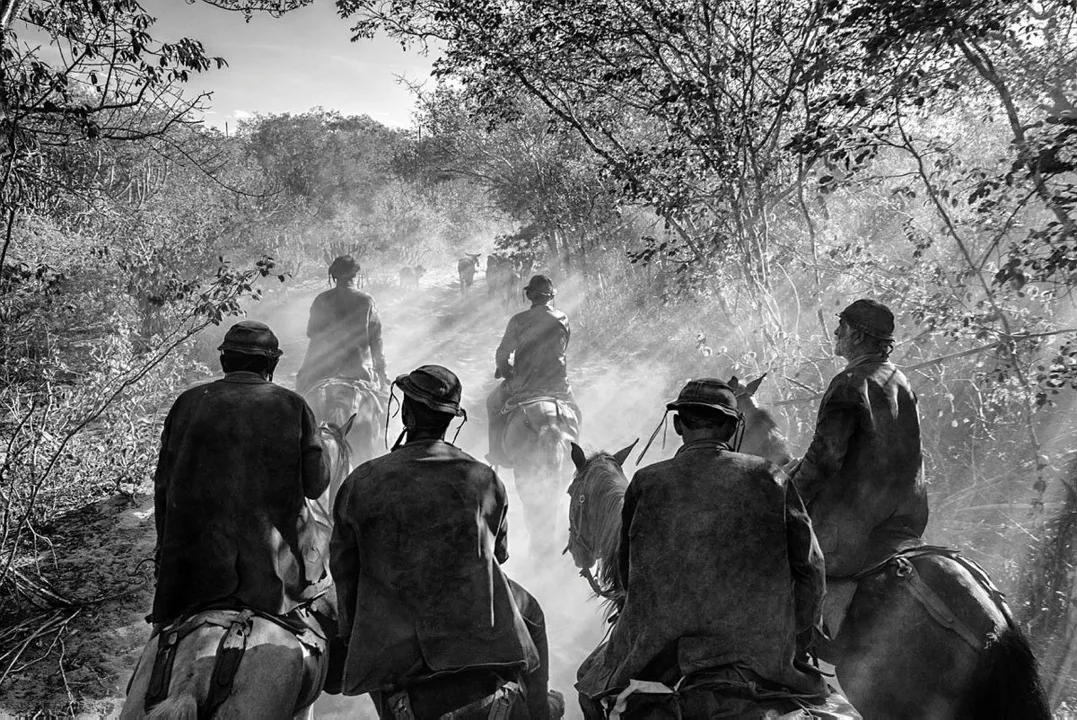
(238, 624)
(497, 705)
(902, 565)
(736, 682)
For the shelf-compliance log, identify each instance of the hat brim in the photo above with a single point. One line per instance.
(418, 394)
(706, 406)
(248, 350)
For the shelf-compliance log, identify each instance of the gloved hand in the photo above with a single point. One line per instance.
(556, 703)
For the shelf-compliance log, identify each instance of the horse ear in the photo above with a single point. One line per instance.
(621, 455)
(754, 385)
(578, 457)
(347, 427)
(734, 383)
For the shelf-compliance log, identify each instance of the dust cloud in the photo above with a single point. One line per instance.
(622, 398)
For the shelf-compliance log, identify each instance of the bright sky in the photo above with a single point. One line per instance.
(292, 63)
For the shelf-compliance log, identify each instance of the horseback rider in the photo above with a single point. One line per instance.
(723, 581)
(344, 331)
(862, 476)
(431, 623)
(531, 359)
(239, 457)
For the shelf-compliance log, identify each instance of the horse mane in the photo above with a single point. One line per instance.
(604, 484)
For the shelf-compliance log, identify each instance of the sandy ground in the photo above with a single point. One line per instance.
(103, 551)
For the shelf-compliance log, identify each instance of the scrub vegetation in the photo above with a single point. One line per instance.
(708, 183)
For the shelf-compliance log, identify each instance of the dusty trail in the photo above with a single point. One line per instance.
(102, 551)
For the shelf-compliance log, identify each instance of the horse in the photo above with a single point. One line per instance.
(409, 276)
(594, 519)
(501, 278)
(356, 405)
(927, 635)
(239, 662)
(537, 436)
(761, 435)
(466, 268)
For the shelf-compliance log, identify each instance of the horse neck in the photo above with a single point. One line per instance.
(605, 490)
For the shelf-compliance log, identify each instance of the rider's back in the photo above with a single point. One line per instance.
(540, 337)
(238, 457)
(342, 327)
(872, 499)
(425, 527)
(710, 579)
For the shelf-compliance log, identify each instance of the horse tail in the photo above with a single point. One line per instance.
(1009, 683)
(181, 707)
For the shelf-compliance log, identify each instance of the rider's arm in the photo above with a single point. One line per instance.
(506, 348)
(837, 422)
(319, 318)
(500, 516)
(344, 560)
(315, 460)
(628, 512)
(373, 333)
(807, 568)
(161, 479)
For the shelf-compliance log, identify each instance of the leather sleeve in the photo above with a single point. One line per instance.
(373, 330)
(837, 421)
(506, 348)
(807, 567)
(501, 531)
(315, 461)
(161, 479)
(628, 512)
(344, 560)
(318, 319)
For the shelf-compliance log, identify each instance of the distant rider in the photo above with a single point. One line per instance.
(531, 359)
(723, 582)
(344, 331)
(861, 477)
(239, 457)
(431, 623)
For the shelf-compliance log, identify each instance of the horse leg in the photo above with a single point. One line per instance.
(540, 511)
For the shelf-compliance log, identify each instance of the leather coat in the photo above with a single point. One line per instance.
(345, 338)
(238, 458)
(418, 538)
(722, 569)
(862, 476)
(538, 340)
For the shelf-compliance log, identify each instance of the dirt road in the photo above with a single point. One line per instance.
(102, 550)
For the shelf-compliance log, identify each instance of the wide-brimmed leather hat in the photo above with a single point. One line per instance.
(343, 266)
(870, 317)
(541, 285)
(707, 393)
(251, 338)
(434, 386)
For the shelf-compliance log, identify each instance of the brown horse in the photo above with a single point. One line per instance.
(466, 268)
(502, 279)
(356, 406)
(537, 437)
(926, 636)
(235, 662)
(761, 434)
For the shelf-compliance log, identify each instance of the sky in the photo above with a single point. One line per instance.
(291, 64)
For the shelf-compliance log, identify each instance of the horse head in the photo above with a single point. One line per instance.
(745, 394)
(594, 517)
(334, 438)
